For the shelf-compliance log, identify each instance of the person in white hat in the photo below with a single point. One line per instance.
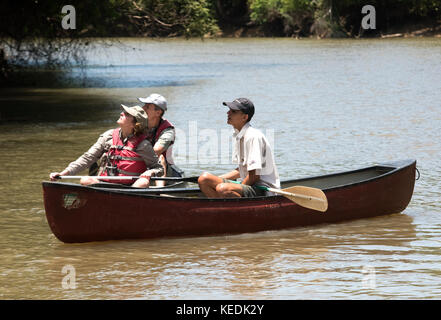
(160, 132)
(124, 151)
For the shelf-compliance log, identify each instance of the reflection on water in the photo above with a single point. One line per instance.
(50, 105)
(298, 263)
(332, 105)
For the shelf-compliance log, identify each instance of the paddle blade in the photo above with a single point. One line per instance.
(308, 197)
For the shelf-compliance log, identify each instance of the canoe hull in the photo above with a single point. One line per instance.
(80, 214)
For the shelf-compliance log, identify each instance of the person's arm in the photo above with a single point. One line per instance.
(154, 167)
(87, 159)
(166, 138)
(159, 149)
(232, 175)
(251, 178)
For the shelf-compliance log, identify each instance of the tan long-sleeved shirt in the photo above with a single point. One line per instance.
(100, 148)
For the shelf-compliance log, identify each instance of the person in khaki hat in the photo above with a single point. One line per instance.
(123, 151)
(160, 132)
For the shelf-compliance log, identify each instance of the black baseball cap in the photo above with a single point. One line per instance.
(243, 104)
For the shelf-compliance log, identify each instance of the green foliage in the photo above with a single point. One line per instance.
(34, 19)
(291, 13)
(31, 33)
(389, 13)
(176, 18)
(262, 10)
(341, 14)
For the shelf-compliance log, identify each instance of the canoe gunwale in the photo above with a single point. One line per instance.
(155, 193)
(399, 165)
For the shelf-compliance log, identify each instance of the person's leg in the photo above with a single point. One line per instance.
(85, 181)
(252, 191)
(232, 190)
(229, 190)
(208, 183)
(141, 183)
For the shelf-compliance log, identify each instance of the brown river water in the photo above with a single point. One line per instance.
(326, 105)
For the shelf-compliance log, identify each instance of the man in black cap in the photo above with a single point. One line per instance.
(251, 152)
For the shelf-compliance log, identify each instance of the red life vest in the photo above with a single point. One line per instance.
(163, 124)
(124, 157)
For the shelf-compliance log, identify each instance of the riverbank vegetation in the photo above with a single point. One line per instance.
(32, 32)
(341, 18)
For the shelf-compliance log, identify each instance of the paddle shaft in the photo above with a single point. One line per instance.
(189, 179)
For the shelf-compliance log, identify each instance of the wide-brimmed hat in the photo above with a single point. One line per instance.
(137, 112)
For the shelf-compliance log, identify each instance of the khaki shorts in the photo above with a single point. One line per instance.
(248, 191)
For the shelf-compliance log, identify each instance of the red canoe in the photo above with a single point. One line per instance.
(78, 213)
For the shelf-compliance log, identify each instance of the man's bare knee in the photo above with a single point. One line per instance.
(225, 190)
(222, 188)
(205, 178)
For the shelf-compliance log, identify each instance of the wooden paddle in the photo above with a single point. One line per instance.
(307, 197)
(187, 179)
(311, 198)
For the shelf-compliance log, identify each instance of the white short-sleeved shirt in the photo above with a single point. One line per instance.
(252, 151)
